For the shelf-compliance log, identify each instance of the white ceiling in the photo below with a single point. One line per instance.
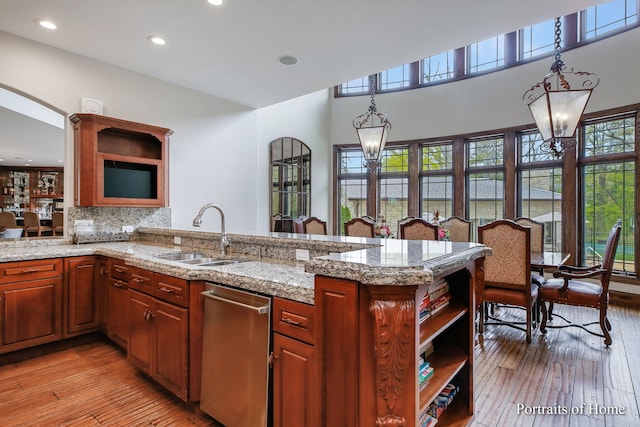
(233, 51)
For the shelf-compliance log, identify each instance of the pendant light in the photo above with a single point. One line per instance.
(373, 129)
(558, 102)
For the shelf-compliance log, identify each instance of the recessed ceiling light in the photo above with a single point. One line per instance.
(288, 60)
(156, 40)
(215, 2)
(46, 24)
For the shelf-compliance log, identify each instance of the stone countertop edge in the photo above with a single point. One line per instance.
(359, 259)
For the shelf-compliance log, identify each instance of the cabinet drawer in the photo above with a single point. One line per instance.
(118, 270)
(141, 279)
(294, 319)
(171, 289)
(21, 271)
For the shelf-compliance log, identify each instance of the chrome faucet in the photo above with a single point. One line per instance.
(224, 240)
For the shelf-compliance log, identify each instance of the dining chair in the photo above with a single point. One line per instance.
(507, 274)
(567, 288)
(537, 233)
(57, 222)
(417, 229)
(284, 224)
(298, 226)
(32, 224)
(314, 225)
(359, 227)
(8, 220)
(459, 229)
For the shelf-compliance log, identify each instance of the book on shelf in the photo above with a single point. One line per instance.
(439, 304)
(442, 401)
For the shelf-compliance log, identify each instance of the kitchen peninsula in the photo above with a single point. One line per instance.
(349, 315)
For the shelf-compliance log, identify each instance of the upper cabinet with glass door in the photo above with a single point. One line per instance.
(290, 178)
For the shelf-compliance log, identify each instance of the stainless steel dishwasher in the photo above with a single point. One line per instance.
(235, 357)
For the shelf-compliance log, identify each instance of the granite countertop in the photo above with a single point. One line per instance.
(370, 261)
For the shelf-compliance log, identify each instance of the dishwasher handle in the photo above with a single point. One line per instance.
(264, 309)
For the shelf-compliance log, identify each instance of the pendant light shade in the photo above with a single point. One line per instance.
(558, 102)
(373, 129)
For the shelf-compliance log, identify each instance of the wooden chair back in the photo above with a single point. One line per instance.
(537, 233)
(57, 222)
(314, 225)
(417, 229)
(459, 229)
(32, 224)
(359, 227)
(8, 220)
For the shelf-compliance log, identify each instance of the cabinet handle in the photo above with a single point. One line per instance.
(117, 285)
(167, 290)
(119, 269)
(291, 321)
(29, 270)
(136, 280)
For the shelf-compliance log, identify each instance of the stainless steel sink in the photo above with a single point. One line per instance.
(198, 259)
(180, 256)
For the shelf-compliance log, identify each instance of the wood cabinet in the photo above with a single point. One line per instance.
(120, 163)
(369, 341)
(296, 389)
(117, 322)
(82, 295)
(30, 303)
(159, 328)
(158, 341)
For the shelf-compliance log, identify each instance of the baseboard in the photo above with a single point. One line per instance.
(624, 299)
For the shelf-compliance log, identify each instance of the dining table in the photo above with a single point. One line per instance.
(548, 260)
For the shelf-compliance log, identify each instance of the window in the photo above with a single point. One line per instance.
(395, 78)
(602, 18)
(497, 52)
(352, 186)
(437, 67)
(485, 181)
(354, 87)
(608, 188)
(436, 180)
(537, 40)
(540, 188)
(394, 185)
(485, 55)
(467, 176)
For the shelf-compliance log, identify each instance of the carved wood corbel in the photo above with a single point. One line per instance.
(394, 312)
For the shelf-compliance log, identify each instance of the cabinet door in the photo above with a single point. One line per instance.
(296, 390)
(31, 313)
(141, 342)
(117, 309)
(171, 353)
(103, 285)
(82, 298)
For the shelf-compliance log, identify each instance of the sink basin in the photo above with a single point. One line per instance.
(210, 262)
(180, 256)
(201, 260)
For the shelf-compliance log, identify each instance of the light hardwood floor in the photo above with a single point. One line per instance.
(564, 370)
(88, 381)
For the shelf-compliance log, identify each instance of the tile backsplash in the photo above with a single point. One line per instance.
(111, 220)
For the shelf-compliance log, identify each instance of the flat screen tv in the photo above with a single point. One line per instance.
(130, 180)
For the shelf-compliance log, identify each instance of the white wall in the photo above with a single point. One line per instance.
(307, 119)
(494, 101)
(214, 141)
